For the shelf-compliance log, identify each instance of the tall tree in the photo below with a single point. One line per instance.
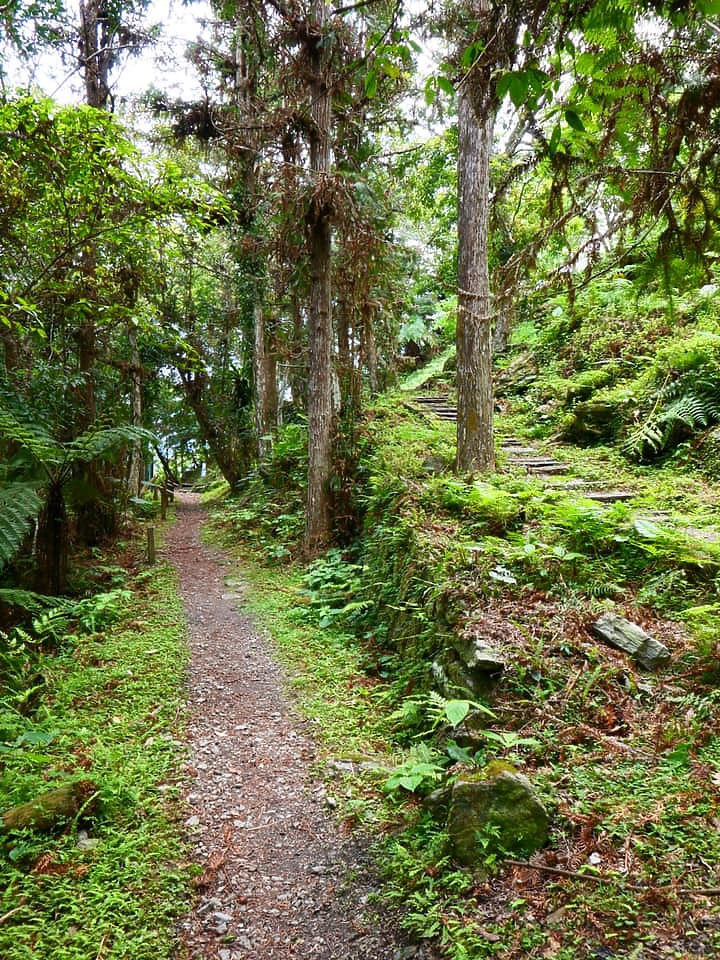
(320, 327)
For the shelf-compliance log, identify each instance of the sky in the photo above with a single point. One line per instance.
(163, 66)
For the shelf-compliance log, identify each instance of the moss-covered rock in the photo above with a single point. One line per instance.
(497, 813)
(595, 421)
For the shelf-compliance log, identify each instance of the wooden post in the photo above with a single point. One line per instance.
(163, 502)
(151, 545)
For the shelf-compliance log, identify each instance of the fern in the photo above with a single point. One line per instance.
(19, 506)
(695, 406)
(27, 600)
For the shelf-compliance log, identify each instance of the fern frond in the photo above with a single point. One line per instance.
(19, 505)
(97, 444)
(690, 409)
(648, 434)
(27, 600)
(29, 435)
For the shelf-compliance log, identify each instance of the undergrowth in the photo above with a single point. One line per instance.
(99, 705)
(622, 759)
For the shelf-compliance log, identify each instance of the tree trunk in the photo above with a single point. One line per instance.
(320, 331)
(266, 394)
(475, 445)
(50, 809)
(297, 372)
(136, 468)
(52, 541)
(371, 358)
(232, 459)
(96, 53)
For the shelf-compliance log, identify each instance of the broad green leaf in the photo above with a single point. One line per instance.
(371, 83)
(471, 53)
(445, 85)
(574, 120)
(537, 79)
(646, 528)
(392, 70)
(519, 84)
(503, 86)
(709, 7)
(456, 711)
(430, 90)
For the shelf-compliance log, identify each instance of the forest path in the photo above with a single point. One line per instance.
(279, 878)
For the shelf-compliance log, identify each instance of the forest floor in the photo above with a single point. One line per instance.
(279, 878)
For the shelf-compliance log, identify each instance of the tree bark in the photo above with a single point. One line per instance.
(95, 53)
(475, 444)
(136, 468)
(320, 331)
(371, 358)
(266, 393)
(52, 541)
(233, 462)
(297, 372)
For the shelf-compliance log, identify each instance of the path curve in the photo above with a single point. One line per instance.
(275, 868)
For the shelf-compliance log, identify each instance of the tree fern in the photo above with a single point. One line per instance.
(20, 430)
(19, 506)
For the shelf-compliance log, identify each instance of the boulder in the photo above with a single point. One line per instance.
(498, 812)
(593, 421)
(433, 466)
(468, 663)
(477, 655)
(632, 639)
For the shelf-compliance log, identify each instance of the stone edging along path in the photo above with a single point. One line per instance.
(280, 879)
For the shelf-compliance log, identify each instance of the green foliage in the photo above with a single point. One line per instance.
(483, 505)
(19, 505)
(421, 770)
(680, 409)
(102, 708)
(333, 584)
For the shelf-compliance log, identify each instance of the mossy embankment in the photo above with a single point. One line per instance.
(624, 759)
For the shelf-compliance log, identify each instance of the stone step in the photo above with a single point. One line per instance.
(550, 470)
(608, 496)
(521, 455)
(535, 462)
(517, 451)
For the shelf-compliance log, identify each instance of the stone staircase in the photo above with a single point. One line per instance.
(519, 455)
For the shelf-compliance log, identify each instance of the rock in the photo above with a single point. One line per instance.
(632, 639)
(497, 814)
(593, 422)
(85, 842)
(468, 665)
(438, 802)
(432, 466)
(477, 655)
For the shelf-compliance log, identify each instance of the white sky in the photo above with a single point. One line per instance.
(162, 66)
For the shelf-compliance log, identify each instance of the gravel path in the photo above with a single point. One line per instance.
(279, 878)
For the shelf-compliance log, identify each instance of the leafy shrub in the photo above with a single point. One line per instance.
(491, 506)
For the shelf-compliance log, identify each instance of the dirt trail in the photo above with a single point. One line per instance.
(280, 880)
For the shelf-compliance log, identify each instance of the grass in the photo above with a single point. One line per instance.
(627, 762)
(110, 883)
